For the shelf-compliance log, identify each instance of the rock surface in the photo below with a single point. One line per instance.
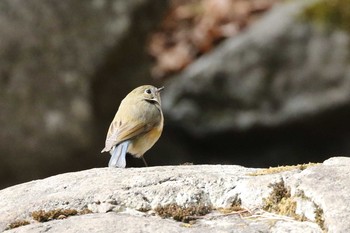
(59, 61)
(126, 200)
(268, 76)
(282, 87)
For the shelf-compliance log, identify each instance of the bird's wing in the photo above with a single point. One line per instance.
(125, 132)
(128, 131)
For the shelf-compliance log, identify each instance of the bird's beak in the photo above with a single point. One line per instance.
(160, 89)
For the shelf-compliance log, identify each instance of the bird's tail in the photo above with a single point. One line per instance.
(118, 154)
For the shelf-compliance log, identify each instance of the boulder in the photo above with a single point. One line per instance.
(280, 88)
(202, 198)
(65, 67)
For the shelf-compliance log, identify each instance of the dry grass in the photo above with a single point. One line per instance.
(279, 169)
(17, 223)
(280, 202)
(183, 214)
(45, 216)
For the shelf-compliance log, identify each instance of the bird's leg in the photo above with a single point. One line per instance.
(144, 161)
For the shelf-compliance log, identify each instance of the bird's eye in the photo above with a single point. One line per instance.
(148, 91)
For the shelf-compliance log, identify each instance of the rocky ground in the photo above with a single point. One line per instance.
(187, 198)
(275, 93)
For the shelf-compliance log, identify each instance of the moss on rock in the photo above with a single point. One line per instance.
(281, 202)
(183, 214)
(17, 223)
(334, 14)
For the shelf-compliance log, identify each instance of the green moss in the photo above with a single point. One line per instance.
(334, 14)
(182, 214)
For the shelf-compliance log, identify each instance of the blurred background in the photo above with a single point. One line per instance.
(257, 83)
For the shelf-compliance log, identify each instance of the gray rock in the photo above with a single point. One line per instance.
(325, 185)
(113, 222)
(277, 93)
(281, 70)
(126, 200)
(59, 60)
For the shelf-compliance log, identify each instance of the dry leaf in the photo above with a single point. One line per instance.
(192, 28)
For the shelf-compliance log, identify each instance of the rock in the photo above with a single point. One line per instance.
(282, 87)
(238, 199)
(112, 222)
(59, 62)
(264, 77)
(324, 185)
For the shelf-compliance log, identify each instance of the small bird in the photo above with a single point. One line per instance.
(136, 127)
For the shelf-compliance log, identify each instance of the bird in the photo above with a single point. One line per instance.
(136, 127)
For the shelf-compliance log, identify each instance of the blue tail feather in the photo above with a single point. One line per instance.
(118, 154)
